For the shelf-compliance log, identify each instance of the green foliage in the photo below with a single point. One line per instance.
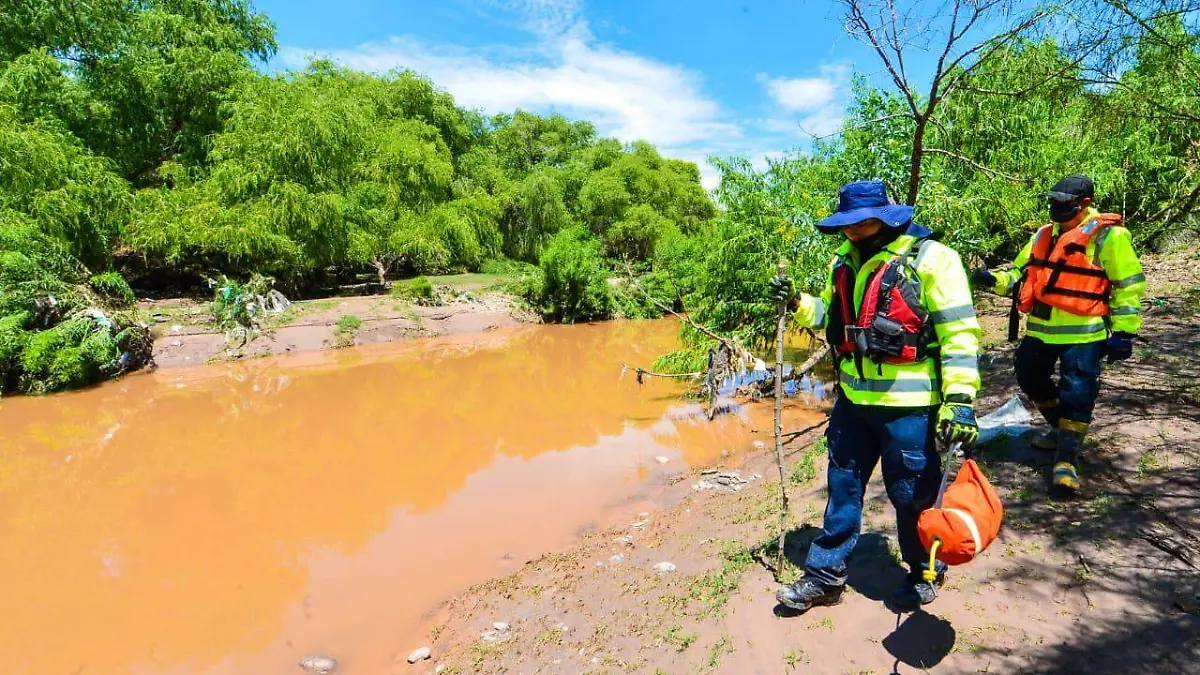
(573, 284)
(348, 323)
(113, 287)
(805, 469)
(418, 289)
(75, 353)
(60, 188)
(150, 76)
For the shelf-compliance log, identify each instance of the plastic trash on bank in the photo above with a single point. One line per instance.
(1011, 419)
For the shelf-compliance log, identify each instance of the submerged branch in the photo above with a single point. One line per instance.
(642, 373)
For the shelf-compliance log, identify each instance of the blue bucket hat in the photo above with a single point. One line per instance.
(865, 199)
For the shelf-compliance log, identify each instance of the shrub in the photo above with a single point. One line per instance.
(113, 287)
(419, 289)
(573, 282)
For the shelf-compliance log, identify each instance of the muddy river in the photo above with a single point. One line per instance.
(232, 518)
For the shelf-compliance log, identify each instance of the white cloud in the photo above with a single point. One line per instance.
(808, 106)
(565, 69)
(801, 94)
(626, 95)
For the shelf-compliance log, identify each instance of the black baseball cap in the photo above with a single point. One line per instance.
(1073, 187)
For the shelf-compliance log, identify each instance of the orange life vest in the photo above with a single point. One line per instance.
(1061, 274)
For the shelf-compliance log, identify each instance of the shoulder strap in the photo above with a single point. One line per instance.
(921, 247)
(1100, 239)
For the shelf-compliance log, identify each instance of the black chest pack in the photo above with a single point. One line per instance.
(893, 326)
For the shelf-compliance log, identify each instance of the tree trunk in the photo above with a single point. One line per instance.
(918, 154)
(381, 269)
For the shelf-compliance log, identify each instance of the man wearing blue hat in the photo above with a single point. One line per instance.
(898, 315)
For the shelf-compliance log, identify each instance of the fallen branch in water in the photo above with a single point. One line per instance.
(757, 389)
(642, 372)
(683, 315)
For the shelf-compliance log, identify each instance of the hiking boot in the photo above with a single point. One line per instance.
(808, 593)
(1046, 441)
(1065, 478)
(916, 592)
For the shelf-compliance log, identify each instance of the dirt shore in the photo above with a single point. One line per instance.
(185, 333)
(1106, 583)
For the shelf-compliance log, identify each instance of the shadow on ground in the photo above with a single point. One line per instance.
(1131, 533)
(921, 640)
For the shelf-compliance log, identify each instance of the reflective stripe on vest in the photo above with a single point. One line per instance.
(1046, 328)
(952, 314)
(1129, 281)
(960, 361)
(915, 385)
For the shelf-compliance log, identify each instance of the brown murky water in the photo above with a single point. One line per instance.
(231, 519)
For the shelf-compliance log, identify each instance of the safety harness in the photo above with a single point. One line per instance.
(893, 325)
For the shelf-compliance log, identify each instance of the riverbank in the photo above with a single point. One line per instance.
(1106, 583)
(185, 333)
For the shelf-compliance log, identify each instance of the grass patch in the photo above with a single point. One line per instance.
(712, 591)
(720, 648)
(677, 638)
(826, 622)
(418, 290)
(805, 468)
(1102, 505)
(476, 283)
(1148, 463)
(483, 652)
(346, 328)
(794, 656)
(549, 637)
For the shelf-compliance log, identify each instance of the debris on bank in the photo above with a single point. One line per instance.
(728, 481)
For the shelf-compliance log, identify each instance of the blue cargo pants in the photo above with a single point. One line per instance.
(861, 436)
(1073, 397)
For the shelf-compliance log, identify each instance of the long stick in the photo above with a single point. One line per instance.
(779, 331)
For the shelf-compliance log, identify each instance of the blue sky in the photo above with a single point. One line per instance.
(752, 78)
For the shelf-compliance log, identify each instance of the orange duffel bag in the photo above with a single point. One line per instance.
(966, 518)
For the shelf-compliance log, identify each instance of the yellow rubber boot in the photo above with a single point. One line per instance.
(1065, 477)
(1066, 459)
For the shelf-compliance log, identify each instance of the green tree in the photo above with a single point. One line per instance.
(573, 284)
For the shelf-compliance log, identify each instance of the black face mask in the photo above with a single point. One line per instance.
(875, 243)
(1061, 213)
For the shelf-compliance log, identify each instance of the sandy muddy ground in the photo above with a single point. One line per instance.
(1107, 583)
(185, 333)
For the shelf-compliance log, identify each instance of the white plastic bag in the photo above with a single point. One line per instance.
(1010, 419)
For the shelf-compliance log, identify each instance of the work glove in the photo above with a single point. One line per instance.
(783, 289)
(1119, 347)
(956, 421)
(983, 278)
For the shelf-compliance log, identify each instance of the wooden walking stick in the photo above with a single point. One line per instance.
(780, 328)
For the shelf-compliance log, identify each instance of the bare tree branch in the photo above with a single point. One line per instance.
(858, 24)
(979, 167)
(858, 127)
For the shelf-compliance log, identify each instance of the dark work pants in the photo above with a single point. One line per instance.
(861, 436)
(1073, 396)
